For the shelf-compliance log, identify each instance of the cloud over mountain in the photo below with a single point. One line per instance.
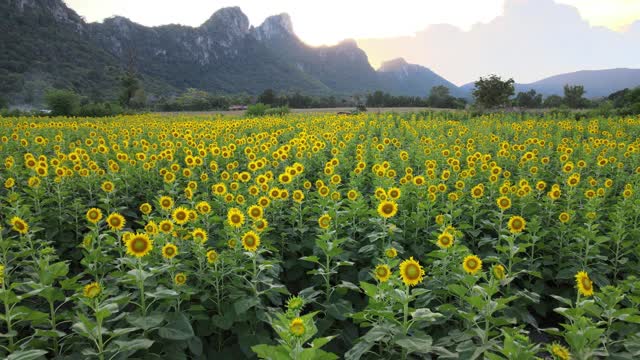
(531, 40)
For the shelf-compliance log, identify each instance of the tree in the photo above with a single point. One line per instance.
(268, 97)
(573, 96)
(493, 92)
(439, 97)
(552, 101)
(139, 99)
(129, 82)
(3, 103)
(530, 99)
(62, 102)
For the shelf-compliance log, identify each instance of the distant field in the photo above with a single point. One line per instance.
(317, 110)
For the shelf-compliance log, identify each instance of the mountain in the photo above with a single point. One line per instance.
(403, 78)
(49, 45)
(597, 83)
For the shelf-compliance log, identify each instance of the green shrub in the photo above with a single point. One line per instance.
(62, 102)
(258, 109)
(100, 110)
(283, 110)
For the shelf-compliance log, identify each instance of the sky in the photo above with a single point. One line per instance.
(421, 31)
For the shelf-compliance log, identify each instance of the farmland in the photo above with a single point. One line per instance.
(316, 236)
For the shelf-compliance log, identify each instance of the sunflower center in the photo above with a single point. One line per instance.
(139, 245)
(250, 240)
(586, 283)
(472, 264)
(412, 271)
(517, 224)
(382, 272)
(387, 208)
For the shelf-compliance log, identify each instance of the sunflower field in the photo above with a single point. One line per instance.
(378, 236)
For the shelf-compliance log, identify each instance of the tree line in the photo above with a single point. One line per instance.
(489, 93)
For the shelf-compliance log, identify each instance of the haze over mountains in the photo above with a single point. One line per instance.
(49, 45)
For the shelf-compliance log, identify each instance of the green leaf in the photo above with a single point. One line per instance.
(313, 259)
(146, 322)
(122, 331)
(54, 271)
(349, 285)
(26, 355)
(133, 345)
(271, 352)
(358, 350)
(178, 327)
(241, 306)
(420, 344)
(426, 315)
(195, 345)
(320, 342)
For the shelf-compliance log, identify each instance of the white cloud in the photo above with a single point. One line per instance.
(531, 40)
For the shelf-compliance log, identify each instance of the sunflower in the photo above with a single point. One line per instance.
(231, 243)
(264, 201)
(387, 209)
(169, 251)
(477, 191)
(251, 241)
(200, 235)
(559, 352)
(260, 225)
(504, 203)
(146, 208)
(297, 328)
(298, 196)
(499, 271)
(203, 207)
(445, 240)
(91, 290)
(516, 224)
(116, 221)
(295, 303)
(212, 256)
(391, 253)
(382, 273)
(19, 225)
(255, 212)
(94, 215)
(584, 284)
(564, 217)
(472, 264)
(107, 186)
(324, 221)
(166, 202)
(180, 279)
(139, 245)
(235, 217)
(180, 215)
(394, 193)
(166, 226)
(411, 272)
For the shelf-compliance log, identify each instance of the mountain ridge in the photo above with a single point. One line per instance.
(50, 45)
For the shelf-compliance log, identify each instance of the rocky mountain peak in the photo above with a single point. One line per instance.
(394, 65)
(275, 26)
(230, 20)
(57, 9)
